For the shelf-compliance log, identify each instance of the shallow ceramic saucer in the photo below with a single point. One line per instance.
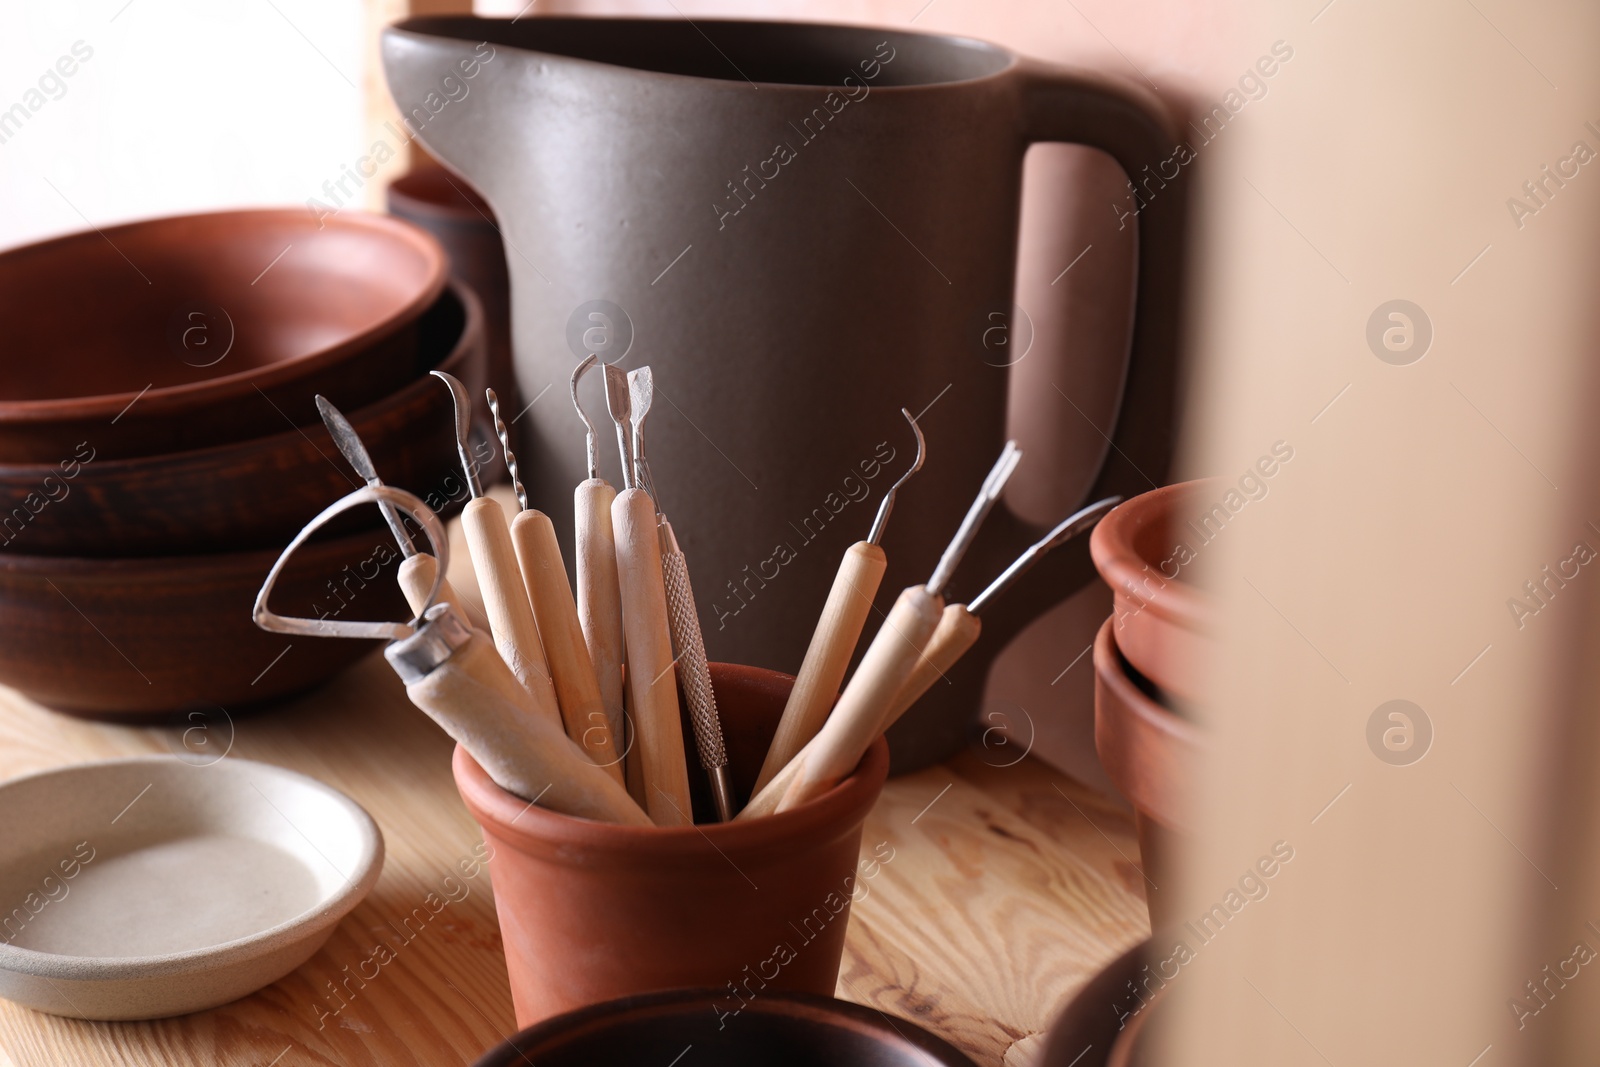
(147, 887)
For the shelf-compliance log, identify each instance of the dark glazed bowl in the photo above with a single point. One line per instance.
(774, 1030)
(259, 492)
(147, 640)
(166, 335)
(462, 221)
(1099, 1015)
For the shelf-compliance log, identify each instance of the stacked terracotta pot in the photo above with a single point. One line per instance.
(1149, 659)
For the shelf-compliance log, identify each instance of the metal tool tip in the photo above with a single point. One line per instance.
(619, 401)
(504, 433)
(641, 391)
(463, 409)
(881, 520)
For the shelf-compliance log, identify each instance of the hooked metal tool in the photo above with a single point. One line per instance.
(833, 642)
(463, 409)
(881, 519)
(885, 667)
(957, 631)
(599, 598)
(591, 450)
(544, 577)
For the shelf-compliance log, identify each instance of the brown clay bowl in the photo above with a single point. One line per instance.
(255, 493)
(775, 1030)
(145, 640)
(169, 334)
(462, 221)
(1146, 550)
(705, 905)
(1150, 753)
(1101, 1013)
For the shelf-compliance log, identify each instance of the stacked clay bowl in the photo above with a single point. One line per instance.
(159, 442)
(1149, 659)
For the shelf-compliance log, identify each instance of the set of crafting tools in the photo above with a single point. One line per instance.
(568, 695)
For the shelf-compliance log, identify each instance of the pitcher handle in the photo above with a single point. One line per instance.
(1128, 123)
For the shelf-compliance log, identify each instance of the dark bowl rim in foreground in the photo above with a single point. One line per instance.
(918, 1044)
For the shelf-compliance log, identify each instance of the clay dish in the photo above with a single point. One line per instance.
(148, 887)
(166, 335)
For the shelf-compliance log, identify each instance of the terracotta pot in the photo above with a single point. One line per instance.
(742, 254)
(1151, 755)
(462, 221)
(195, 330)
(592, 911)
(255, 493)
(149, 640)
(1146, 550)
(792, 1029)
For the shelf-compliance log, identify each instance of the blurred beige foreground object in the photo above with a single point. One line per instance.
(1403, 709)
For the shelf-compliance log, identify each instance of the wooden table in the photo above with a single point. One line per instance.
(1010, 887)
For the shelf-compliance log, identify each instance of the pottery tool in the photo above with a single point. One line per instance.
(417, 569)
(454, 673)
(884, 669)
(693, 670)
(959, 625)
(833, 642)
(958, 630)
(545, 577)
(599, 601)
(652, 689)
(505, 599)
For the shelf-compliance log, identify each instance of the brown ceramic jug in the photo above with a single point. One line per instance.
(803, 228)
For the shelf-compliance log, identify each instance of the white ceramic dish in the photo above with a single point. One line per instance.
(141, 888)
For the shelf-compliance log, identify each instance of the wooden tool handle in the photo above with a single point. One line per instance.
(855, 722)
(828, 656)
(525, 754)
(599, 603)
(505, 600)
(416, 574)
(632, 766)
(957, 632)
(577, 691)
(651, 683)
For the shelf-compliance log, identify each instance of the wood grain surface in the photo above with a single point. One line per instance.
(1008, 888)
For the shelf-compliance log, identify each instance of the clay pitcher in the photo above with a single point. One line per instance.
(803, 228)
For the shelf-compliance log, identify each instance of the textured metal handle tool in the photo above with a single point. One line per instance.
(694, 671)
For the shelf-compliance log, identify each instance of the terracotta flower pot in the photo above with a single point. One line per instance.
(1146, 550)
(1151, 755)
(593, 911)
